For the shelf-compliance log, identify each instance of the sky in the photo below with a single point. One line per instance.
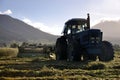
(50, 15)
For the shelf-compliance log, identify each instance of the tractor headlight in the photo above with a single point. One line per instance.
(95, 39)
(98, 38)
(92, 39)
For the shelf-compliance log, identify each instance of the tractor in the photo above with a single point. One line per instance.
(80, 43)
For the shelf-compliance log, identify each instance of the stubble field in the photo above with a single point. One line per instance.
(43, 68)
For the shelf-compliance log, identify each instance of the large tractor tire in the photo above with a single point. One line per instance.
(77, 57)
(107, 52)
(77, 54)
(73, 51)
(70, 52)
(61, 48)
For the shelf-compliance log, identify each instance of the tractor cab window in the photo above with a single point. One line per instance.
(73, 29)
(85, 26)
(78, 28)
(66, 30)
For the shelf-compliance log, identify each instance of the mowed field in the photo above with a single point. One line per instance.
(43, 68)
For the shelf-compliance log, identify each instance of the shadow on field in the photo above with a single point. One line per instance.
(38, 64)
(60, 64)
(86, 65)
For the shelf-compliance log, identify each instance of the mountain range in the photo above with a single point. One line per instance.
(12, 29)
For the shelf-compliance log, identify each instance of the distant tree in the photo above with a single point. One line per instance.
(14, 45)
(24, 44)
(40, 45)
(4, 45)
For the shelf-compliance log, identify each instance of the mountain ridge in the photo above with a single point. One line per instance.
(20, 31)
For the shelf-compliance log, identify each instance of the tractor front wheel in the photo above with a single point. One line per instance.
(107, 52)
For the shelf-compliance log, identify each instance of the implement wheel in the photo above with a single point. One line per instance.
(108, 52)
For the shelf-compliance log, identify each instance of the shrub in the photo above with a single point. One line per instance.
(8, 52)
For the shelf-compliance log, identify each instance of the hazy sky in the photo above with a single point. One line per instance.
(50, 15)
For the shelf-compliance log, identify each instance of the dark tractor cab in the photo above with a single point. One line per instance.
(79, 42)
(76, 25)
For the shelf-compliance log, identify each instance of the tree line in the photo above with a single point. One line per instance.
(40, 45)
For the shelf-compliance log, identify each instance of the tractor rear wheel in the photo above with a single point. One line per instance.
(107, 52)
(74, 51)
(61, 48)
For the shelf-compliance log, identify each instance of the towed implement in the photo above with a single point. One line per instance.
(80, 43)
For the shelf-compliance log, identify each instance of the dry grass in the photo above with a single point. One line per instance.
(8, 52)
(45, 69)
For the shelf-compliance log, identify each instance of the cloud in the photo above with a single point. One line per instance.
(103, 10)
(101, 17)
(55, 30)
(8, 12)
(111, 4)
(105, 6)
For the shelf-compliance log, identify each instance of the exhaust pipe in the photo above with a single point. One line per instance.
(88, 21)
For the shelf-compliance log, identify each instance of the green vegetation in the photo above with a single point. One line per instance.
(42, 68)
(8, 52)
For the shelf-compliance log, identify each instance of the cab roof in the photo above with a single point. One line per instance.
(76, 21)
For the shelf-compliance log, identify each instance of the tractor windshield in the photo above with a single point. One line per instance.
(73, 29)
(78, 28)
(76, 25)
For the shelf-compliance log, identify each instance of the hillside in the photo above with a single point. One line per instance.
(12, 29)
(111, 30)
